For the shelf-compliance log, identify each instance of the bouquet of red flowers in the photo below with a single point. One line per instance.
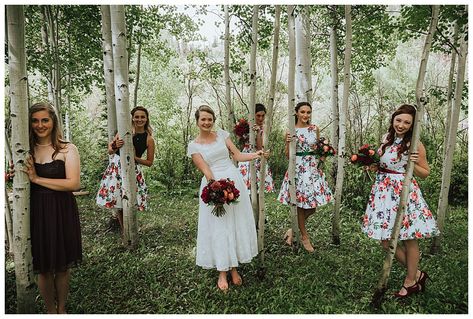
(365, 157)
(242, 131)
(323, 149)
(218, 193)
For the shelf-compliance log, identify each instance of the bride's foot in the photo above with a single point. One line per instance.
(222, 282)
(236, 278)
(288, 237)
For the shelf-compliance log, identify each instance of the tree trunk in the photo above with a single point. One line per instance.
(251, 121)
(450, 146)
(138, 65)
(108, 70)
(122, 96)
(46, 50)
(291, 169)
(20, 142)
(449, 92)
(8, 209)
(267, 130)
(335, 112)
(226, 68)
(342, 129)
(303, 80)
(52, 18)
(421, 100)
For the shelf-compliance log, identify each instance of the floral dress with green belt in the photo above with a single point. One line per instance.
(380, 214)
(312, 189)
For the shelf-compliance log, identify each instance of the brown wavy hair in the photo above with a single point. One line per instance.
(148, 128)
(298, 106)
(204, 108)
(57, 141)
(406, 140)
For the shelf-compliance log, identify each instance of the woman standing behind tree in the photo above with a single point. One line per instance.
(312, 190)
(222, 242)
(383, 203)
(54, 172)
(244, 167)
(110, 192)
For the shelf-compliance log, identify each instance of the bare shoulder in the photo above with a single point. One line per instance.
(69, 149)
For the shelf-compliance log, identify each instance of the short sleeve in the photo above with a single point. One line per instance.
(192, 149)
(223, 134)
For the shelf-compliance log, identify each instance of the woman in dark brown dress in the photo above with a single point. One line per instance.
(54, 172)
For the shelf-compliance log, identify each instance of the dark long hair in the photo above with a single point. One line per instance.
(148, 128)
(56, 135)
(298, 106)
(259, 107)
(406, 140)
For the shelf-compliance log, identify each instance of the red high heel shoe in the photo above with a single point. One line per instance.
(415, 288)
(422, 280)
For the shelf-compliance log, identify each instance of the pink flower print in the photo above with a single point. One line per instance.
(365, 220)
(405, 222)
(385, 225)
(414, 197)
(418, 234)
(243, 171)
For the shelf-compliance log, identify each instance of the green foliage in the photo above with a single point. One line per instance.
(160, 276)
(79, 45)
(91, 141)
(414, 22)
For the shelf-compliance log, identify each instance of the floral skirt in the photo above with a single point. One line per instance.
(110, 191)
(244, 168)
(312, 190)
(380, 214)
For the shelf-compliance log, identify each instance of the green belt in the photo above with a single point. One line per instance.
(304, 153)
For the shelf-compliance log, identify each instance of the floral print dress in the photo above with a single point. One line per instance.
(380, 214)
(244, 168)
(312, 189)
(110, 191)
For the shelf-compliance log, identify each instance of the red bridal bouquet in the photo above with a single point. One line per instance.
(365, 157)
(323, 149)
(218, 193)
(242, 131)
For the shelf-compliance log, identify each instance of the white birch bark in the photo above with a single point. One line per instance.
(449, 92)
(342, 123)
(291, 169)
(122, 97)
(303, 85)
(108, 71)
(335, 114)
(231, 121)
(251, 121)
(20, 144)
(382, 283)
(450, 146)
(267, 129)
(8, 209)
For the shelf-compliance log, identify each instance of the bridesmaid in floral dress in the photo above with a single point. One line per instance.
(383, 203)
(109, 194)
(312, 189)
(244, 167)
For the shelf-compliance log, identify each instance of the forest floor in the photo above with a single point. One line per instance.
(160, 276)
